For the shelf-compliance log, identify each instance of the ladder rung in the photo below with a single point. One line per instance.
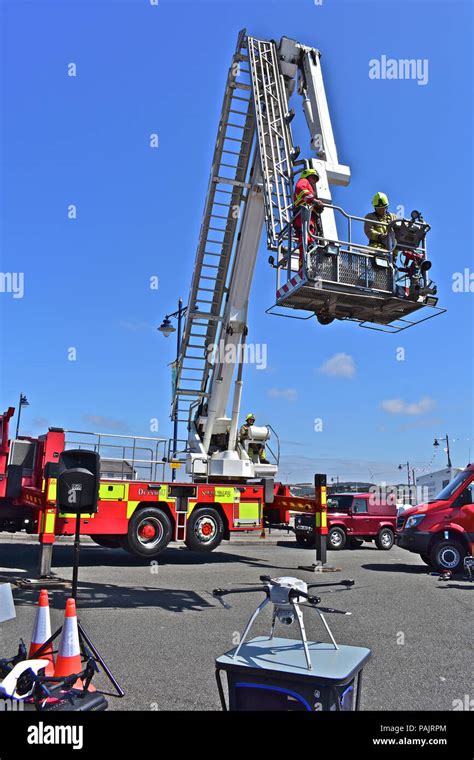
(240, 86)
(187, 392)
(226, 181)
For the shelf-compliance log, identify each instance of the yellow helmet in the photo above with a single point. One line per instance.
(250, 417)
(309, 173)
(379, 199)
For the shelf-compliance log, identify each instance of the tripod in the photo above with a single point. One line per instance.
(88, 650)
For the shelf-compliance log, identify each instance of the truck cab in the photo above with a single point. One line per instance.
(441, 530)
(353, 518)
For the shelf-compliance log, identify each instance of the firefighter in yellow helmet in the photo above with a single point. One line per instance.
(306, 195)
(256, 451)
(376, 226)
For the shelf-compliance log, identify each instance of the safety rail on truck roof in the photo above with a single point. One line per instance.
(137, 461)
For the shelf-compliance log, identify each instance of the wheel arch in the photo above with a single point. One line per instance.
(453, 534)
(163, 505)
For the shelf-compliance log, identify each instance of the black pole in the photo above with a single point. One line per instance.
(448, 452)
(77, 548)
(175, 420)
(18, 416)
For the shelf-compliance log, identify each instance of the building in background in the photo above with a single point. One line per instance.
(429, 485)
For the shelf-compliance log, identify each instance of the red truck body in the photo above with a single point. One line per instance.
(441, 531)
(137, 514)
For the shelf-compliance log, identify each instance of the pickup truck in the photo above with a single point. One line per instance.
(441, 530)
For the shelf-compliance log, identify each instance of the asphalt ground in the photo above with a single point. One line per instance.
(160, 629)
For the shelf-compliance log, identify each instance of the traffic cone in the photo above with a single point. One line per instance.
(68, 659)
(42, 632)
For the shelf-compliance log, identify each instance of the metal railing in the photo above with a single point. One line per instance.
(343, 260)
(125, 457)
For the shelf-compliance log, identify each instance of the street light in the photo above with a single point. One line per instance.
(166, 328)
(400, 467)
(436, 443)
(22, 402)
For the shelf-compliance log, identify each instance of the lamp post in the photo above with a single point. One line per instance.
(446, 439)
(400, 467)
(166, 328)
(22, 402)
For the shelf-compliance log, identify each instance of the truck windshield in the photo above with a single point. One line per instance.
(448, 490)
(339, 503)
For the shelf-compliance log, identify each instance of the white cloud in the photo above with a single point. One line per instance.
(339, 365)
(287, 394)
(399, 406)
(107, 423)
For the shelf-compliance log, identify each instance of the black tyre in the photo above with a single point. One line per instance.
(356, 543)
(385, 539)
(448, 555)
(205, 530)
(307, 542)
(109, 542)
(149, 532)
(336, 538)
(324, 320)
(426, 559)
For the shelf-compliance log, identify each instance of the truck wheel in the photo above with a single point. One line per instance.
(448, 555)
(336, 539)
(205, 530)
(306, 541)
(385, 539)
(149, 532)
(109, 542)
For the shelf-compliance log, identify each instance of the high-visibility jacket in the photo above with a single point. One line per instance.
(243, 433)
(374, 231)
(304, 193)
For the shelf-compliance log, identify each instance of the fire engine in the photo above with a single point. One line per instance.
(334, 276)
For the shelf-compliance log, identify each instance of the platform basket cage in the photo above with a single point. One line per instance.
(351, 269)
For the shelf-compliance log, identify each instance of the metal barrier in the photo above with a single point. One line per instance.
(341, 261)
(140, 459)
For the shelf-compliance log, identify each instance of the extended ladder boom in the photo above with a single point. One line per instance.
(251, 185)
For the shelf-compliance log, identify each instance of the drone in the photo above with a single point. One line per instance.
(288, 595)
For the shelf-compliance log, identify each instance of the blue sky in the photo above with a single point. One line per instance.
(84, 140)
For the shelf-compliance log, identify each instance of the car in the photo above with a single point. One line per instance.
(353, 518)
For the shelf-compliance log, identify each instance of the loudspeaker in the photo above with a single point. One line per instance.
(78, 481)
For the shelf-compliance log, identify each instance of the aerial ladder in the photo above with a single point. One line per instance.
(251, 187)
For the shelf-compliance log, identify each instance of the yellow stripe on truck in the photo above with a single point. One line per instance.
(51, 489)
(131, 507)
(249, 511)
(227, 495)
(113, 491)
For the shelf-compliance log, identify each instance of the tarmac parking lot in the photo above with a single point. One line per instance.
(160, 629)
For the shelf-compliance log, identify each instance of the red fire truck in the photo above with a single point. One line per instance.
(138, 511)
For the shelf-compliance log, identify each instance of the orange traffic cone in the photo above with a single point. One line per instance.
(68, 660)
(42, 632)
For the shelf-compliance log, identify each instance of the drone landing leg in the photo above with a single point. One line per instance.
(249, 625)
(300, 619)
(274, 616)
(327, 627)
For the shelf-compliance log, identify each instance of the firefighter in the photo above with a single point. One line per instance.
(378, 232)
(256, 451)
(306, 195)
